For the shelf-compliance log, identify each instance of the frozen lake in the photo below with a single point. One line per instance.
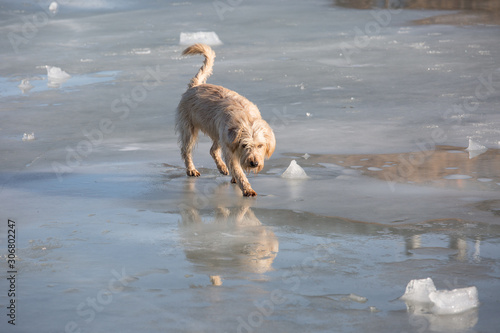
(378, 106)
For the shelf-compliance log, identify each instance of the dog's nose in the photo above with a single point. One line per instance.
(254, 164)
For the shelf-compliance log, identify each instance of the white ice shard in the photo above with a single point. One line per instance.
(475, 149)
(441, 302)
(357, 298)
(54, 7)
(206, 37)
(294, 171)
(473, 145)
(454, 301)
(419, 290)
(29, 137)
(56, 76)
(25, 86)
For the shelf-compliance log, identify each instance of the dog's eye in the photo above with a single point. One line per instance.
(243, 145)
(260, 146)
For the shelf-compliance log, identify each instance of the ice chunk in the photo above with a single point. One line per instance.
(419, 290)
(473, 145)
(443, 301)
(142, 51)
(306, 156)
(475, 149)
(208, 37)
(294, 171)
(29, 137)
(25, 86)
(56, 73)
(454, 301)
(357, 298)
(54, 7)
(56, 76)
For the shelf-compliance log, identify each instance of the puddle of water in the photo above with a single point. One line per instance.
(444, 166)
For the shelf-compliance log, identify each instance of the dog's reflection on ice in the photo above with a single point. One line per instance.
(222, 240)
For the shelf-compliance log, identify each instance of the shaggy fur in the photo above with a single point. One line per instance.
(232, 122)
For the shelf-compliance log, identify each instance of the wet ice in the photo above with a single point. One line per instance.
(392, 193)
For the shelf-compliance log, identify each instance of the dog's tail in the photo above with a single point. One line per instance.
(205, 70)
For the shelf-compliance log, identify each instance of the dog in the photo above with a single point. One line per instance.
(232, 122)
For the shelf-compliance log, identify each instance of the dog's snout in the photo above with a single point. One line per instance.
(254, 164)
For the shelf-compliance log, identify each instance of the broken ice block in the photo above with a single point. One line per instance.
(56, 73)
(294, 171)
(25, 86)
(419, 290)
(357, 298)
(454, 301)
(473, 145)
(56, 76)
(208, 37)
(475, 149)
(28, 137)
(54, 7)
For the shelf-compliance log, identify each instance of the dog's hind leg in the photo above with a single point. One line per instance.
(215, 153)
(188, 140)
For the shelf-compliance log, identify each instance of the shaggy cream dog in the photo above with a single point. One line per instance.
(232, 122)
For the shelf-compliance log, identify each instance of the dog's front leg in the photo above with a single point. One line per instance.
(215, 152)
(240, 178)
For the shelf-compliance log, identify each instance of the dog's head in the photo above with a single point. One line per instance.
(252, 143)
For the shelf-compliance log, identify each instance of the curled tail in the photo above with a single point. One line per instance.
(206, 69)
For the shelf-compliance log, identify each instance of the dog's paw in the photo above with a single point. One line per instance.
(249, 193)
(224, 171)
(193, 173)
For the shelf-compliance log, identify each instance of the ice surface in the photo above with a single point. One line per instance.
(294, 171)
(104, 180)
(209, 37)
(454, 301)
(419, 290)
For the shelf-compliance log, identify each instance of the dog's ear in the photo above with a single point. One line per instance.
(233, 135)
(270, 141)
